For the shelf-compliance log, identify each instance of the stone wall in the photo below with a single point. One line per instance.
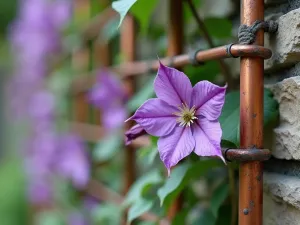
(282, 172)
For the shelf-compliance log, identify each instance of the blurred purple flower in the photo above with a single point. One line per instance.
(72, 161)
(35, 37)
(42, 105)
(41, 155)
(40, 191)
(184, 117)
(133, 133)
(62, 12)
(90, 202)
(110, 97)
(77, 218)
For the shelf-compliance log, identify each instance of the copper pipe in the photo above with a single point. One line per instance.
(94, 133)
(251, 121)
(175, 47)
(102, 52)
(128, 49)
(141, 67)
(137, 68)
(246, 155)
(103, 193)
(87, 132)
(80, 60)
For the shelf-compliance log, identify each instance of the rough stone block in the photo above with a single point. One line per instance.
(281, 199)
(287, 135)
(283, 188)
(279, 213)
(285, 44)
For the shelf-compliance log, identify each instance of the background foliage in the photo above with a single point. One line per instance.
(207, 186)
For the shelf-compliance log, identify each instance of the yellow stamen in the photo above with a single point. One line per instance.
(186, 115)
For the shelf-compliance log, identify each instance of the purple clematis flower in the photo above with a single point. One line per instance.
(133, 133)
(73, 162)
(77, 218)
(110, 97)
(184, 117)
(40, 191)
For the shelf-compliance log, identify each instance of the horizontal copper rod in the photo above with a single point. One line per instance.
(103, 193)
(246, 155)
(83, 83)
(94, 133)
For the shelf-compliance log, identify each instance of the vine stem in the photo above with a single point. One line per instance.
(224, 68)
(233, 192)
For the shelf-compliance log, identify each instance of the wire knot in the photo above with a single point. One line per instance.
(247, 34)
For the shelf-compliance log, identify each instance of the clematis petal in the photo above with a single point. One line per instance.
(208, 135)
(176, 146)
(156, 117)
(172, 86)
(133, 133)
(208, 99)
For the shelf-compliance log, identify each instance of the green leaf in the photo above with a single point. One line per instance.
(206, 218)
(13, 205)
(149, 153)
(148, 223)
(109, 31)
(49, 218)
(173, 183)
(230, 117)
(218, 27)
(208, 71)
(181, 176)
(140, 186)
(142, 95)
(139, 208)
(107, 148)
(224, 217)
(122, 7)
(8, 10)
(106, 213)
(271, 107)
(180, 217)
(142, 11)
(218, 197)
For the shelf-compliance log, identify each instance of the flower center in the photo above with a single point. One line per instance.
(186, 115)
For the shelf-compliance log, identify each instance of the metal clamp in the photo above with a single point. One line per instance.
(246, 155)
(193, 58)
(228, 51)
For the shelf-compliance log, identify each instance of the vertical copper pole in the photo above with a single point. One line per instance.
(80, 58)
(128, 51)
(175, 28)
(102, 57)
(251, 121)
(102, 52)
(175, 47)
